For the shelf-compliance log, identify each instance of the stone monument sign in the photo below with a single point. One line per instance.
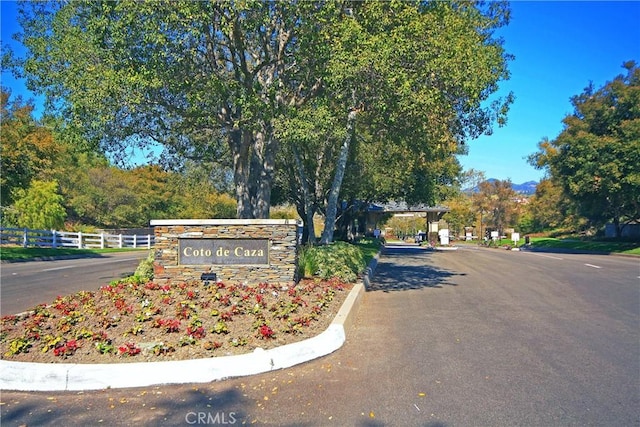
(249, 251)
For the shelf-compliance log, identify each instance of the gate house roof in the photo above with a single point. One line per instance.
(404, 207)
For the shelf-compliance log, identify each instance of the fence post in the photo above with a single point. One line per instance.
(120, 241)
(25, 238)
(148, 241)
(79, 239)
(135, 240)
(54, 239)
(101, 240)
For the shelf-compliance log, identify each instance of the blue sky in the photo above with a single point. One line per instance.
(559, 48)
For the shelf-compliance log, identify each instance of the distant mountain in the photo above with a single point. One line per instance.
(527, 188)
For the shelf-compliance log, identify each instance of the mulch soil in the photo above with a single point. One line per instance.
(130, 321)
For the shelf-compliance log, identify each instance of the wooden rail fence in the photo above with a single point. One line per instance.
(63, 239)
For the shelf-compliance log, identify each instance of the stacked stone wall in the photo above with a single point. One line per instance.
(282, 237)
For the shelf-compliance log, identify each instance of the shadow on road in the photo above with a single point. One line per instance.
(566, 251)
(196, 406)
(406, 267)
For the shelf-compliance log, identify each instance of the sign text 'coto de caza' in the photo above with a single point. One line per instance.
(223, 251)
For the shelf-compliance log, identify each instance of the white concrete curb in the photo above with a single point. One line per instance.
(370, 270)
(58, 377)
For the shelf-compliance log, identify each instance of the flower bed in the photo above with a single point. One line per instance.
(134, 321)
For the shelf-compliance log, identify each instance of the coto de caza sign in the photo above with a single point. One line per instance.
(223, 251)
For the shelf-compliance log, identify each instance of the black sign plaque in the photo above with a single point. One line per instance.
(223, 251)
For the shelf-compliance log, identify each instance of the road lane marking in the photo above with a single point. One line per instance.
(103, 262)
(546, 256)
(594, 266)
(60, 268)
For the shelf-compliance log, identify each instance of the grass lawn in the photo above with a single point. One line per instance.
(631, 248)
(15, 253)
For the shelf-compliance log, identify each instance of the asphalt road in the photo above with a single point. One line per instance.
(24, 285)
(476, 337)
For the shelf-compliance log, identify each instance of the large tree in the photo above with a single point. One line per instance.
(39, 206)
(188, 75)
(596, 158)
(496, 202)
(310, 139)
(460, 201)
(549, 209)
(409, 83)
(28, 149)
(192, 75)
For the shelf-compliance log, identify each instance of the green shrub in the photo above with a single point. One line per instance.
(283, 212)
(338, 259)
(145, 268)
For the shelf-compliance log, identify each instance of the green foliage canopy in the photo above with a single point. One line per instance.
(196, 75)
(596, 158)
(548, 209)
(27, 150)
(40, 206)
(496, 200)
(191, 76)
(418, 77)
(41, 171)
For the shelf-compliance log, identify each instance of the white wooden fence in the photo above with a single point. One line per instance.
(62, 239)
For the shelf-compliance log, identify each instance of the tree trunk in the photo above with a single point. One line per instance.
(240, 143)
(332, 204)
(253, 164)
(265, 147)
(616, 222)
(310, 234)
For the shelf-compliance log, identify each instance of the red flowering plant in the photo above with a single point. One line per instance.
(169, 325)
(128, 349)
(265, 331)
(195, 329)
(66, 349)
(175, 320)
